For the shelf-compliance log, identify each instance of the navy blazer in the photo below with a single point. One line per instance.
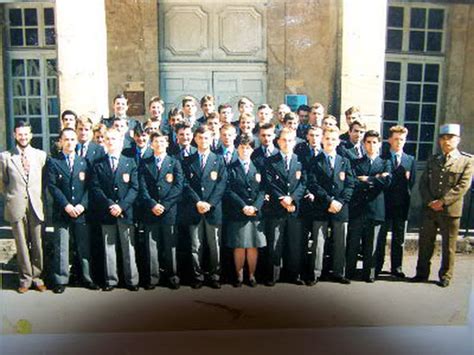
(398, 193)
(109, 188)
(94, 152)
(163, 187)
(206, 185)
(368, 197)
(176, 152)
(280, 183)
(347, 150)
(328, 184)
(68, 188)
(243, 190)
(258, 157)
(234, 157)
(132, 152)
(305, 156)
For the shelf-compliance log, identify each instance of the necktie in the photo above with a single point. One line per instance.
(113, 161)
(25, 163)
(267, 151)
(228, 155)
(185, 152)
(83, 150)
(331, 162)
(203, 161)
(358, 152)
(287, 163)
(397, 160)
(70, 162)
(158, 163)
(246, 167)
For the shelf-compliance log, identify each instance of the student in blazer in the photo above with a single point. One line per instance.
(68, 183)
(161, 187)
(285, 183)
(114, 190)
(367, 207)
(330, 181)
(206, 177)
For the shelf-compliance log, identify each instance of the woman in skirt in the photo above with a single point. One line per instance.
(246, 196)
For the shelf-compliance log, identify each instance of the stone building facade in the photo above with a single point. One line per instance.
(401, 61)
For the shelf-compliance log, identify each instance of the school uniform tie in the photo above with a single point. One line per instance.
(228, 156)
(397, 160)
(25, 163)
(70, 162)
(246, 167)
(113, 163)
(202, 162)
(185, 152)
(331, 162)
(158, 163)
(287, 163)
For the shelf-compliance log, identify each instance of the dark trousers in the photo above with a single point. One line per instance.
(284, 233)
(362, 229)
(449, 228)
(205, 235)
(160, 245)
(398, 227)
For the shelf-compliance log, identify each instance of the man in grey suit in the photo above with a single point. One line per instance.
(21, 181)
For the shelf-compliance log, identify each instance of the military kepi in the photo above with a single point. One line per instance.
(450, 128)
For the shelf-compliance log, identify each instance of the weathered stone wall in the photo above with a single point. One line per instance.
(303, 50)
(459, 77)
(132, 46)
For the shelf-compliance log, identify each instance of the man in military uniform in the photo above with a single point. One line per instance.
(445, 180)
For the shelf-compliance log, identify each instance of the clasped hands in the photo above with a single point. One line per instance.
(203, 207)
(287, 203)
(74, 211)
(436, 205)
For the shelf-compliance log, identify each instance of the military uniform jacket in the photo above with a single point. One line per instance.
(279, 183)
(68, 188)
(109, 188)
(447, 181)
(328, 184)
(206, 185)
(398, 193)
(164, 187)
(243, 190)
(368, 197)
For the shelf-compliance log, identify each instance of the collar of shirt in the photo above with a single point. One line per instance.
(395, 154)
(372, 158)
(228, 150)
(161, 156)
(25, 150)
(454, 154)
(289, 155)
(269, 148)
(333, 155)
(68, 156)
(203, 156)
(116, 156)
(243, 162)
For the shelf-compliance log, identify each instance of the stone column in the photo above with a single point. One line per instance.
(363, 58)
(82, 56)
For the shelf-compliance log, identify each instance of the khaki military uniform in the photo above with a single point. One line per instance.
(446, 179)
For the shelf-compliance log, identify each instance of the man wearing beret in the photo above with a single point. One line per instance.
(445, 180)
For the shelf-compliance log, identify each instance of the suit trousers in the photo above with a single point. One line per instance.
(204, 235)
(449, 228)
(125, 233)
(29, 251)
(78, 234)
(366, 230)
(398, 226)
(284, 233)
(160, 245)
(320, 234)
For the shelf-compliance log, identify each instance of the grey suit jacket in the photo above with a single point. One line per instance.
(18, 188)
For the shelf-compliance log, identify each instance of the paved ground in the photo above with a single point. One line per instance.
(384, 303)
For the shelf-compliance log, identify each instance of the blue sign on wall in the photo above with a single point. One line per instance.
(294, 101)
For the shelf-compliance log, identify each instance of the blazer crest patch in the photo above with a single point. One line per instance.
(126, 178)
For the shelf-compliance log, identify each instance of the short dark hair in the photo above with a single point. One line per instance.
(246, 139)
(212, 115)
(357, 123)
(64, 130)
(139, 130)
(115, 119)
(290, 116)
(266, 126)
(119, 96)
(157, 134)
(223, 106)
(303, 108)
(261, 107)
(175, 112)
(201, 130)
(372, 133)
(21, 124)
(68, 112)
(183, 125)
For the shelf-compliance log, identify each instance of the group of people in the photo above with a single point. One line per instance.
(272, 190)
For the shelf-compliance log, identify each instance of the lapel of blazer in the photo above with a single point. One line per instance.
(62, 164)
(194, 164)
(323, 163)
(209, 164)
(166, 166)
(280, 165)
(151, 166)
(337, 164)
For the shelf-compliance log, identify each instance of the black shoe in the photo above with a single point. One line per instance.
(133, 288)
(370, 280)
(419, 278)
(174, 285)
(342, 280)
(270, 283)
(196, 285)
(443, 283)
(59, 289)
(92, 286)
(298, 282)
(312, 282)
(398, 274)
(107, 288)
(252, 282)
(215, 284)
(149, 287)
(237, 283)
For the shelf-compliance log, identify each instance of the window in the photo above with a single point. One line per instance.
(31, 69)
(413, 75)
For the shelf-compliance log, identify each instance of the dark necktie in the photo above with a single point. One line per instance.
(158, 163)
(25, 163)
(246, 167)
(113, 161)
(70, 162)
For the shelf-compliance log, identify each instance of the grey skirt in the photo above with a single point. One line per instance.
(245, 234)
